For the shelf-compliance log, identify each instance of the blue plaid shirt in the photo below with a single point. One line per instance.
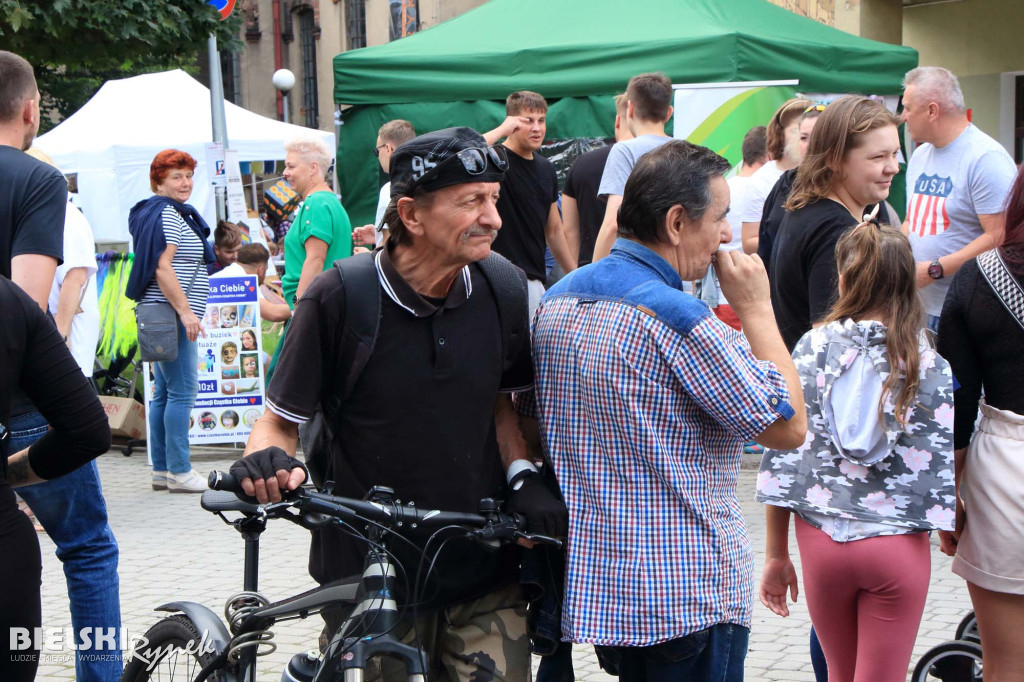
(645, 399)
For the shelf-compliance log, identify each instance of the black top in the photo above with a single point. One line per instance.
(582, 183)
(983, 345)
(803, 274)
(420, 418)
(33, 198)
(773, 213)
(37, 361)
(529, 189)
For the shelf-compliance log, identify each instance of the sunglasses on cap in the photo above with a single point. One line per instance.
(473, 159)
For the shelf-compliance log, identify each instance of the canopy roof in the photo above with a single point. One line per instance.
(573, 48)
(111, 141)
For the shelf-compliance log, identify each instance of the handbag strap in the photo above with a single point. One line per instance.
(1006, 287)
(192, 281)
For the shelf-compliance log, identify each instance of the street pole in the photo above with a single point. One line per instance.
(220, 126)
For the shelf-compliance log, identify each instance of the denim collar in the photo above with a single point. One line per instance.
(630, 250)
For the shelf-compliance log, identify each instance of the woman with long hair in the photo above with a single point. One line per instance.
(981, 332)
(850, 162)
(876, 471)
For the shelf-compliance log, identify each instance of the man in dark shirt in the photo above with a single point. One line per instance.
(430, 414)
(33, 202)
(528, 205)
(582, 209)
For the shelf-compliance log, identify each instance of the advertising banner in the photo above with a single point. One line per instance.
(718, 115)
(230, 361)
(230, 365)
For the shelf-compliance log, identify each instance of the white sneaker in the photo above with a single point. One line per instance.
(188, 482)
(160, 480)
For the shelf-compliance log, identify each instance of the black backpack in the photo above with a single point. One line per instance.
(358, 276)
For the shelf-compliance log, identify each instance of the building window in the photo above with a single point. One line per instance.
(1018, 127)
(307, 41)
(231, 74)
(286, 21)
(404, 18)
(355, 23)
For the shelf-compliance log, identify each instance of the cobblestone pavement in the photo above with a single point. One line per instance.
(173, 550)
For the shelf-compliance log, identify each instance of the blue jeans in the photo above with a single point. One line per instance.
(176, 385)
(713, 654)
(72, 510)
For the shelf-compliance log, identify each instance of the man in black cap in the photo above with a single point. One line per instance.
(430, 414)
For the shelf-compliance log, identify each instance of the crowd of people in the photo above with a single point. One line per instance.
(779, 307)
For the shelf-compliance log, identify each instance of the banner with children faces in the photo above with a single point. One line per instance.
(230, 366)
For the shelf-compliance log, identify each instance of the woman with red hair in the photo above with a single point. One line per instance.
(981, 333)
(171, 252)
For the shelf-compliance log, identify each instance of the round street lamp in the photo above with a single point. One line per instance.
(284, 80)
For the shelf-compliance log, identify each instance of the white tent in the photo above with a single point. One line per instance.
(111, 141)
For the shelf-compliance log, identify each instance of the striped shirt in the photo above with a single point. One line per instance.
(187, 262)
(645, 399)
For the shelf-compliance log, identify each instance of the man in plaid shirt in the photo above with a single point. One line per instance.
(645, 399)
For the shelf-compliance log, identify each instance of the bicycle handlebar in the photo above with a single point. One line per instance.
(489, 524)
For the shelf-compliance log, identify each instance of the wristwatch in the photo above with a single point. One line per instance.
(935, 270)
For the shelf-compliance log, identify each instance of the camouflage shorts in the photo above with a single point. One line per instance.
(483, 640)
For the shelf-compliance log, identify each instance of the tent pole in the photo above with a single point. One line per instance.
(220, 127)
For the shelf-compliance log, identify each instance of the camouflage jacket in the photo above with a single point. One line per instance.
(850, 465)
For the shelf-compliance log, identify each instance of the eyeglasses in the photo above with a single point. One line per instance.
(815, 107)
(376, 150)
(474, 161)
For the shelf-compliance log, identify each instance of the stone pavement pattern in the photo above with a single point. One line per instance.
(173, 550)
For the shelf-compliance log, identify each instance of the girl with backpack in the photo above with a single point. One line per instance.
(876, 471)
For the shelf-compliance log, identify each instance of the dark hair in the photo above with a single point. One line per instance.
(523, 100)
(397, 233)
(226, 235)
(755, 145)
(838, 130)
(781, 119)
(396, 132)
(880, 275)
(676, 173)
(253, 253)
(1013, 236)
(166, 161)
(651, 95)
(17, 83)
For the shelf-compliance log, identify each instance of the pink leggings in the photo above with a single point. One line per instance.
(865, 598)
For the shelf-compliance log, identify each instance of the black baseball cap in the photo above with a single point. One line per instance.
(443, 158)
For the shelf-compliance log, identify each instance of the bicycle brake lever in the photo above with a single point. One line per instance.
(539, 539)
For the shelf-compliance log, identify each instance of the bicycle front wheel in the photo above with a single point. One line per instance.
(172, 650)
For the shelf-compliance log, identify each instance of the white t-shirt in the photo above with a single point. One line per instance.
(80, 252)
(382, 205)
(738, 187)
(760, 186)
(236, 270)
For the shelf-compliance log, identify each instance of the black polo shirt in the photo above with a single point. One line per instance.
(420, 417)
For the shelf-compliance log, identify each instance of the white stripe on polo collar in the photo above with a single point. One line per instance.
(390, 291)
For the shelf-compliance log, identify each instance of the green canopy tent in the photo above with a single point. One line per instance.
(577, 53)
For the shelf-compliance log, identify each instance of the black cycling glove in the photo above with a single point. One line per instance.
(265, 464)
(545, 514)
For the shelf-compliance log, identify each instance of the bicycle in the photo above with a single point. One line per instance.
(195, 644)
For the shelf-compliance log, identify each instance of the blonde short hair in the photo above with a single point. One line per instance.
(313, 149)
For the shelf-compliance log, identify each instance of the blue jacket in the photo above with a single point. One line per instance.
(148, 239)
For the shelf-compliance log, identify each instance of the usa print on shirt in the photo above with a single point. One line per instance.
(928, 214)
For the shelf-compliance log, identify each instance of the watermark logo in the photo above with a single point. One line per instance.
(60, 646)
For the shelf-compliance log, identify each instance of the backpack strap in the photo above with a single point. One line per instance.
(1006, 287)
(362, 321)
(508, 283)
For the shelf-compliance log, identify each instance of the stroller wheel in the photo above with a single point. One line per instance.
(958, 661)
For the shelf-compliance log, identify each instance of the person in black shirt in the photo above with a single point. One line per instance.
(38, 362)
(529, 194)
(850, 163)
(430, 414)
(33, 195)
(582, 209)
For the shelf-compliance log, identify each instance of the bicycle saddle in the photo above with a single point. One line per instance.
(220, 501)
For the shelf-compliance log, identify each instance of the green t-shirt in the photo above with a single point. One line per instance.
(322, 216)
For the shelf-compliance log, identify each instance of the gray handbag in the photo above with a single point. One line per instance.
(157, 325)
